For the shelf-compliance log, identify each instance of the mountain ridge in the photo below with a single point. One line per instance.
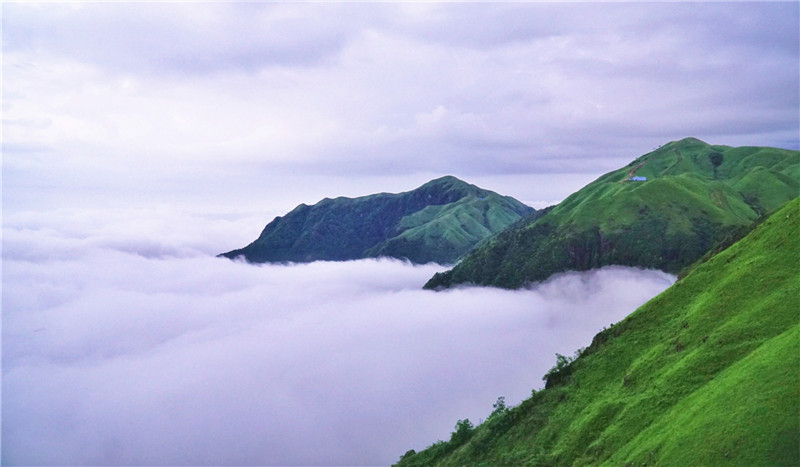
(691, 195)
(437, 222)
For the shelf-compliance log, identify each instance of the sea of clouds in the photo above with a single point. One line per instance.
(127, 342)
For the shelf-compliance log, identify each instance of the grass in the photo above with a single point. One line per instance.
(443, 233)
(668, 222)
(707, 373)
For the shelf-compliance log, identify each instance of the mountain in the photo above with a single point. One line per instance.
(437, 222)
(691, 195)
(706, 373)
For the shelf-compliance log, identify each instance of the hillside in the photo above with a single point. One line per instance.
(707, 373)
(438, 222)
(693, 196)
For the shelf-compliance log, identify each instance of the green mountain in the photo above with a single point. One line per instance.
(706, 373)
(693, 195)
(437, 222)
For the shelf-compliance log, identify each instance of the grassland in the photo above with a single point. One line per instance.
(695, 195)
(707, 373)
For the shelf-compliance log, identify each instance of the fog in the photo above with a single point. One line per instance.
(126, 348)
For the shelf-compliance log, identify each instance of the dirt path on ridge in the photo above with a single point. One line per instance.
(633, 171)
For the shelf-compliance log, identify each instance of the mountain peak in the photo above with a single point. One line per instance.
(451, 184)
(691, 140)
(439, 221)
(447, 179)
(662, 211)
(685, 143)
(447, 182)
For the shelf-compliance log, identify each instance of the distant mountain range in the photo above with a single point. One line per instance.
(438, 222)
(704, 374)
(663, 211)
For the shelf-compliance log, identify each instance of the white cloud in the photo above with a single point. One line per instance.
(112, 92)
(111, 357)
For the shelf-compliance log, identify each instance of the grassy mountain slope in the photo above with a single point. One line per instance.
(695, 195)
(707, 373)
(439, 221)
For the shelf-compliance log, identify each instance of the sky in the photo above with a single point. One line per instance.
(139, 140)
(241, 105)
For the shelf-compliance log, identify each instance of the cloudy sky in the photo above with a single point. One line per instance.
(141, 139)
(232, 103)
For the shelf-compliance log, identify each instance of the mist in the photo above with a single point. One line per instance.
(122, 348)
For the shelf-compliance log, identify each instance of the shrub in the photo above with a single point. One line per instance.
(463, 432)
(559, 372)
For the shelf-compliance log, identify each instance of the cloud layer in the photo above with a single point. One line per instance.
(224, 98)
(112, 357)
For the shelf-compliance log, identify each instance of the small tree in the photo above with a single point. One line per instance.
(463, 432)
(559, 372)
(408, 454)
(499, 407)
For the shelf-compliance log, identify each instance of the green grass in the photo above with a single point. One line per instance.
(684, 208)
(443, 233)
(438, 222)
(728, 420)
(707, 373)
